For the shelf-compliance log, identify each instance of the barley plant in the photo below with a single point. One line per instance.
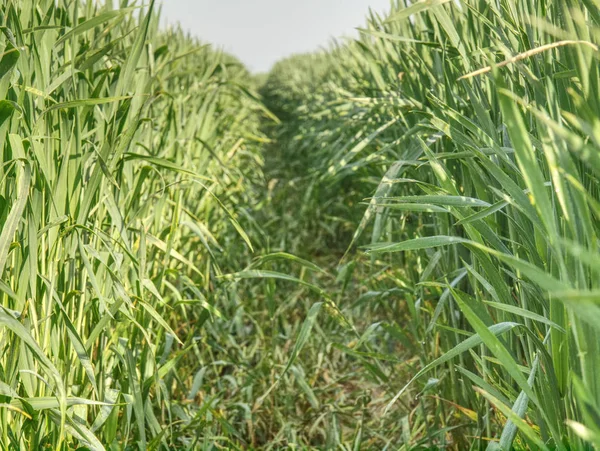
(125, 155)
(468, 130)
(391, 243)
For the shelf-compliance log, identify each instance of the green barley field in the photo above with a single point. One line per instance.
(392, 244)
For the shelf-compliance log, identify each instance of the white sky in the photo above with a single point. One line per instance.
(260, 32)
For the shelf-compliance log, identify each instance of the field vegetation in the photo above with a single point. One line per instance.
(388, 244)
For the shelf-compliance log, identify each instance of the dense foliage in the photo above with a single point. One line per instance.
(127, 154)
(392, 244)
(481, 219)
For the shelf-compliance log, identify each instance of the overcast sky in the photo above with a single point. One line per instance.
(260, 32)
